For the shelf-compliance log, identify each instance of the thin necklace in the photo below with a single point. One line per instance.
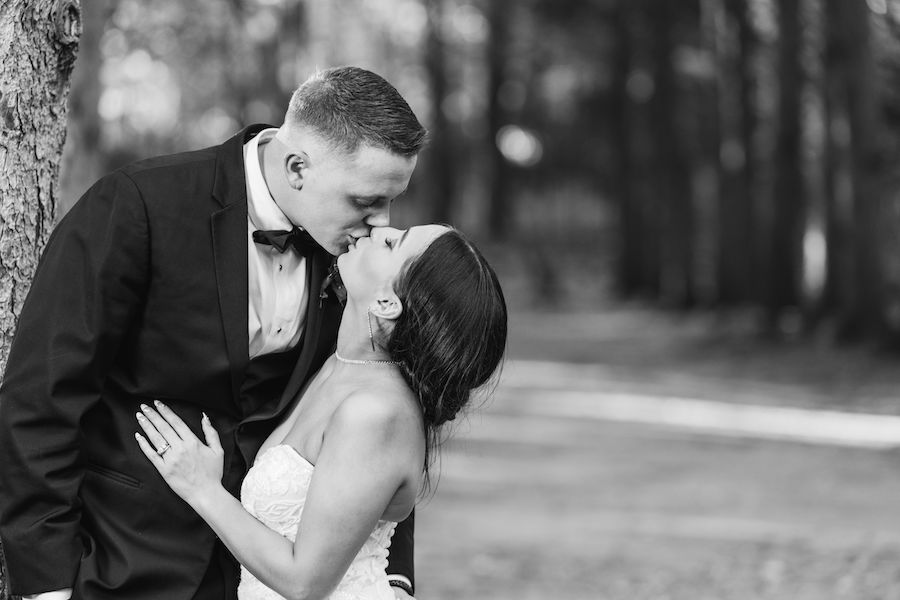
(354, 361)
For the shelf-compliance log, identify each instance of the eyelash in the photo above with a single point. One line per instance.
(389, 242)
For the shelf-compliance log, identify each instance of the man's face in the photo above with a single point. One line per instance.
(344, 195)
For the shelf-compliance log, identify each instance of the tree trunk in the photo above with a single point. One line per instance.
(38, 44)
(735, 50)
(440, 164)
(788, 210)
(499, 217)
(629, 268)
(840, 291)
(862, 109)
(853, 288)
(749, 260)
(673, 189)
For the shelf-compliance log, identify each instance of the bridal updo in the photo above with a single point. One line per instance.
(451, 336)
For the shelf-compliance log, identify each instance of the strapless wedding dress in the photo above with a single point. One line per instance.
(274, 491)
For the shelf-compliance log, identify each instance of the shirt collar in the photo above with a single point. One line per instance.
(261, 208)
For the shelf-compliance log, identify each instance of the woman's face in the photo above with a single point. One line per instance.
(373, 263)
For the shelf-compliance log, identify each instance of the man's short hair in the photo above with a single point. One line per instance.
(350, 107)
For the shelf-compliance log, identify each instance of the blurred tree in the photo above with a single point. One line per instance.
(500, 217)
(784, 263)
(440, 165)
(746, 246)
(673, 198)
(36, 58)
(629, 271)
(84, 155)
(855, 164)
(260, 42)
(732, 38)
(839, 292)
(635, 149)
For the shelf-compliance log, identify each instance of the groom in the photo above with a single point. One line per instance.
(174, 278)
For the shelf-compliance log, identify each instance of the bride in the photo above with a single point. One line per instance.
(424, 325)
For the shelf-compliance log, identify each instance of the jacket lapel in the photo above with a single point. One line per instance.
(229, 239)
(229, 233)
(317, 271)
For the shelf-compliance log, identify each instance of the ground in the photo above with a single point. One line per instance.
(532, 504)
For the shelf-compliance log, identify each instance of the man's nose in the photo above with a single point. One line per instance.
(379, 218)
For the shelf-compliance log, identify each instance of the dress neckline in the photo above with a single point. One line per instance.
(291, 450)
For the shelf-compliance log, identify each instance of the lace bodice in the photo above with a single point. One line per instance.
(274, 492)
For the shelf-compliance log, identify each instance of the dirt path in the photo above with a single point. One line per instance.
(537, 503)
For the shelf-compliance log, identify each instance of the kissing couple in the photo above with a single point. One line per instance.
(201, 403)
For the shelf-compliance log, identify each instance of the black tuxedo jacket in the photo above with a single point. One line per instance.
(141, 294)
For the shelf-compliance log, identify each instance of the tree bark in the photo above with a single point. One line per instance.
(38, 44)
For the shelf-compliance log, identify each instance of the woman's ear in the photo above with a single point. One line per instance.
(295, 166)
(387, 306)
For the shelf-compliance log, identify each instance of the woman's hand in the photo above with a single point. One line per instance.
(189, 466)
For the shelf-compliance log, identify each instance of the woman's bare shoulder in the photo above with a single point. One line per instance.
(382, 410)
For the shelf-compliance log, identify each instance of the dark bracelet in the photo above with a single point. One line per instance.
(402, 585)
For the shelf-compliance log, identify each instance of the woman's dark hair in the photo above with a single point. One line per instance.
(451, 336)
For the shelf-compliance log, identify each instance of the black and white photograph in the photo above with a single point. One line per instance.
(447, 299)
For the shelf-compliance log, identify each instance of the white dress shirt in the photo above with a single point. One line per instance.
(277, 282)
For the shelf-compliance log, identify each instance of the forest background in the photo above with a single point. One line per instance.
(706, 154)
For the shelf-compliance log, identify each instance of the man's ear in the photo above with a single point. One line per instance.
(295, 166)
(386, 306)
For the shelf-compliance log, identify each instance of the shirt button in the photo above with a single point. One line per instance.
(279, 330)
(280, 267)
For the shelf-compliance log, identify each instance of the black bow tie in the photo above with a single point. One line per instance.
(297, 238)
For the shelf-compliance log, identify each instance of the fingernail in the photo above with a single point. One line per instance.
(139, 416)
(144, 407)
(205, 417)
(157, 403)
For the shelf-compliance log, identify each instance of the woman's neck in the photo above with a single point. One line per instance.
(354, 342)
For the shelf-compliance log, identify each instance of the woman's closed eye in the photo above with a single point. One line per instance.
(390, 242)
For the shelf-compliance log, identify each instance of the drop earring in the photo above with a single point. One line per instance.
(371, 336)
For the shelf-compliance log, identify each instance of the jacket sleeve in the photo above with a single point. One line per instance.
(87, 291)
(400, 556)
